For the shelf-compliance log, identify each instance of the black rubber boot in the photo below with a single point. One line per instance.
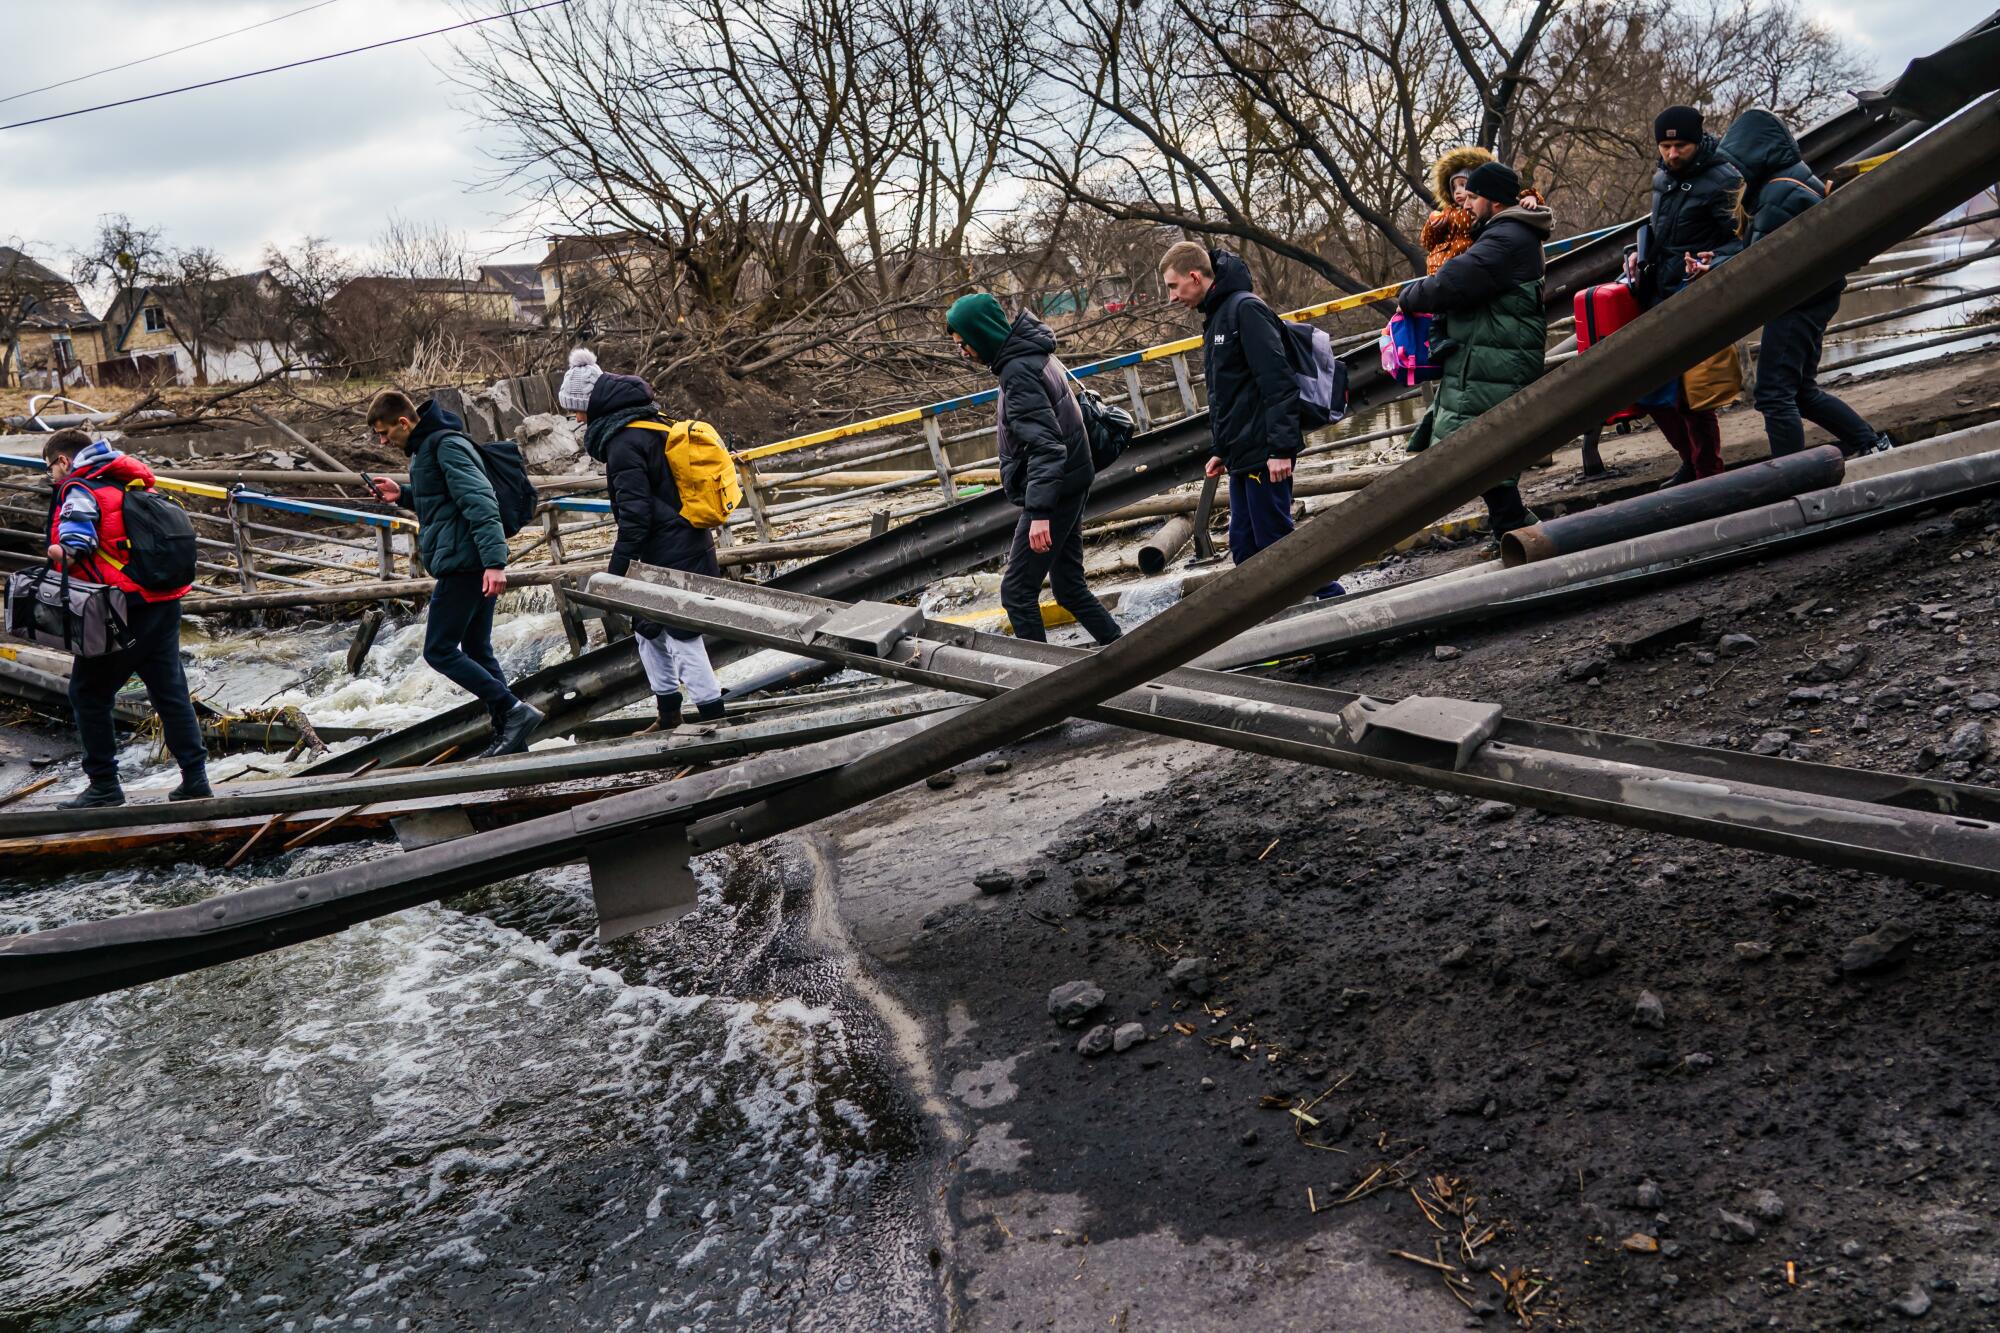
(670, 712)
(522, 720)
(194, 786)
(96, 795)
(710, 711)
(499, 716)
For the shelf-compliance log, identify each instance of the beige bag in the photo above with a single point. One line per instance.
(1713, 383)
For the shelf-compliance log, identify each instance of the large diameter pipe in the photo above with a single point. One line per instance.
(1819, 246)
(1392, 613)
(1711, 497)
(1158, 551)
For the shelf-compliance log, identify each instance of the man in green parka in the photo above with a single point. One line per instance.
(1489, 321)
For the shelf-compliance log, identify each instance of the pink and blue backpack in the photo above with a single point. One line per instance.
(1406, 349)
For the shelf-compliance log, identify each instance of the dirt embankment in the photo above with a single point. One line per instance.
(1688, 1087)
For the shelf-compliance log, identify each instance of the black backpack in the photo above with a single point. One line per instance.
(159, 539)
(511, 487)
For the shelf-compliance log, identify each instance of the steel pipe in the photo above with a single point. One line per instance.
(1432, 603)
(1693, 502)
(1158, 551)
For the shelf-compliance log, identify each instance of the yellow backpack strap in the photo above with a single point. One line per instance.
(650, 425)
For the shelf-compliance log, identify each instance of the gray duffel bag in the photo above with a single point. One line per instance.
(49, 608)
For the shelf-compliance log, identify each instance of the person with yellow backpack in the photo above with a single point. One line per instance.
(671, 484)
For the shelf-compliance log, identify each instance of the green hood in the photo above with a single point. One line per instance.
(982, 322)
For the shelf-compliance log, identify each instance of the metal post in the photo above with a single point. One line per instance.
(572, 623)
(246, 560)
(1185, 383)
(934, 440)
(753, 490)
(1140, 415)
(1813, 249)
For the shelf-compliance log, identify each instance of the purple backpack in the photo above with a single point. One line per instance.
(1406, 349)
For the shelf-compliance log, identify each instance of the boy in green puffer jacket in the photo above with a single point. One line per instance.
(1488, 306)
(465, 550)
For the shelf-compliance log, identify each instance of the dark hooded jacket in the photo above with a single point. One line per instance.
(1488, 304)
(1044, 450)
(645, 502)
(1253, 401)
(1694, 210)
(1777, 183)
(458, 515)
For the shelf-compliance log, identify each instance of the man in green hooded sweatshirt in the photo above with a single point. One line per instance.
(1045, 465)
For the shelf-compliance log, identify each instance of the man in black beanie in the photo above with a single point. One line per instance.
(1488, 308)
(1693, 224)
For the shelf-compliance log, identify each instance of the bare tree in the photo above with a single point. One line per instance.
(754, 183)
(308, 276)
(120, 257)
(1303, 130)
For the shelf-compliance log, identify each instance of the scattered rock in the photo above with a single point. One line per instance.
(1736, 1228)
(1839, 664)
(1697, 1061)
(1735, 645)
(1444, 652)
(1881, 950)
(1459, 955)
(1649, 1012)
(1127, 1036)
(1767, 1205)
(1752, 951)
(1912, 1304)
(1640, 1243)
(1810, 694)
(1074, 1001)
(1649, 1195)
(1097, 1041)
(1207, 1084)
(1590, 954)
(1983, 702)
(939, 781)
(995, 767)
(1589, 668)
(1492, 812)
(1852, 1249)
(1968, 744)
(1191, 975)
(993, 881)
(1772, 742)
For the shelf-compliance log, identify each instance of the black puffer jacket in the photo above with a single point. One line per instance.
(1777, 183)
(644, 500)
(1694, 210)
(1253, 401)
(1044, 452)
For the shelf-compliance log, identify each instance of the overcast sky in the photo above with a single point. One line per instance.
(332, 149)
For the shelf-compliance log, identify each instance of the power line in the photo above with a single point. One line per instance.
(161, 55)
(275, 69)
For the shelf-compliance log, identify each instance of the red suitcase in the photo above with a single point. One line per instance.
(1600, 312)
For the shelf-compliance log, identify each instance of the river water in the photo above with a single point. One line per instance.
(468, 1115)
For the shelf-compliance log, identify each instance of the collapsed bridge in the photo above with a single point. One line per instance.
(637, 840)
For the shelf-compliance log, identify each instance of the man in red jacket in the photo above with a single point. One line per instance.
(87, 534)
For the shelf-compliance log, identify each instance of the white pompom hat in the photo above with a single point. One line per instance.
(574, 396)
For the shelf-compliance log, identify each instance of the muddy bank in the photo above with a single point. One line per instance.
(1683, 1086)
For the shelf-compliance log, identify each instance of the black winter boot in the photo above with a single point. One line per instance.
(710, 711)
(499, 716)
(98, 793)
(522, 719)
(670, 713)
(194, 786)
